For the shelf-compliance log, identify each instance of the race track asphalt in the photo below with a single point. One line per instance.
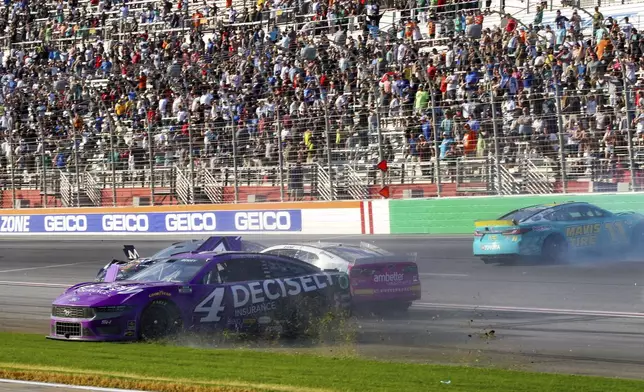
(585, 317)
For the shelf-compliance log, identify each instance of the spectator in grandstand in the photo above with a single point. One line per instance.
(134, 86)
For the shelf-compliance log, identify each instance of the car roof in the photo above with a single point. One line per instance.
(539, 208)
(347, 252)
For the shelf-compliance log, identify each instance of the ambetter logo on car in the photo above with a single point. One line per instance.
(387, 277)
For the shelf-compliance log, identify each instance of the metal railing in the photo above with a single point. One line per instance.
(211, 187)
(93, 189)
(325, 188)
(534, 179)
(66, 189)
(183, 188)
(355, 185)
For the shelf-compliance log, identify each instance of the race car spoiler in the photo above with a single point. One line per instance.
(211, 244)
(413, 256)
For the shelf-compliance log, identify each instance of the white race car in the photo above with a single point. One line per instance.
(377, 277)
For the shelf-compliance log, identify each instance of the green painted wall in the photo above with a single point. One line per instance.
(457, 215)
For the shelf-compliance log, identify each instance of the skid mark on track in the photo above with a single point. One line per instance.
(515, 309)
(34, 284)
(47, 267)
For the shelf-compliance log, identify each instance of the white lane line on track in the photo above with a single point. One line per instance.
(46, 384)
(515, 309)
(46, 267)
(438, 274)
(34, 284)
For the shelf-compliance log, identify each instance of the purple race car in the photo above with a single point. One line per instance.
(239, 291)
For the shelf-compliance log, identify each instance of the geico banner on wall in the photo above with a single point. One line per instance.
(156, 222)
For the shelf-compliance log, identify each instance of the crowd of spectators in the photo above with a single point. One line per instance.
(86, 84)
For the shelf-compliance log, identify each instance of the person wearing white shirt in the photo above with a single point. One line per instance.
(163, 106)
(206, 99)
(292, 110)
(176, 104)
(627, 28)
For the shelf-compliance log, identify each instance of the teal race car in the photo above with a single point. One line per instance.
(556, 232)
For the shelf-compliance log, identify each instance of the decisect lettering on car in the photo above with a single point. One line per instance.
(254, 297)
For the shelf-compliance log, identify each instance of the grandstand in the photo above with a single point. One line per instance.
(112, 102)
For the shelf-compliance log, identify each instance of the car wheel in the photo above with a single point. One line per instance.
(159, 320)
(487, 260)
(555, 249)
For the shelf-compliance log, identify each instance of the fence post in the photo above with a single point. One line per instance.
(232, 129)
(151, 161)
(43, 165)
(329, 154)
(112, 157)
(192, 165)
(561, 128)
(497, 154)
(77, 169)
(13, 168)
(279, 150)
(381, 154)
(629, 130)
(432, 96)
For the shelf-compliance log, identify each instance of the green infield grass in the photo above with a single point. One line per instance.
(163, 367)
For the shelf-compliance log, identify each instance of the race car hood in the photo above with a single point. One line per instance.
(111, 294)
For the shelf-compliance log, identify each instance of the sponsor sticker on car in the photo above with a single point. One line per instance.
(491, 247)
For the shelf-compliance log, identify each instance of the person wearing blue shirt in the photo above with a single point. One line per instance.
(471, 79)
(106, 66)
(445, 144)
(528, 79)
(426, 128)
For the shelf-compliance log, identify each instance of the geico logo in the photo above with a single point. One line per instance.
(263, 220)
(191, 222)
(14, 224)
(272, 289)
(129, 222)
(66, 223)
(387, 277)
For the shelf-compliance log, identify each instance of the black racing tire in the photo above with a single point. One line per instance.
(160, 319)
(555, 249)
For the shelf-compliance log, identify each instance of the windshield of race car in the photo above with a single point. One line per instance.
(172, 270)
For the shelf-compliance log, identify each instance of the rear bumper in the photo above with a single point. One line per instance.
(389, 294)
(487, 248)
